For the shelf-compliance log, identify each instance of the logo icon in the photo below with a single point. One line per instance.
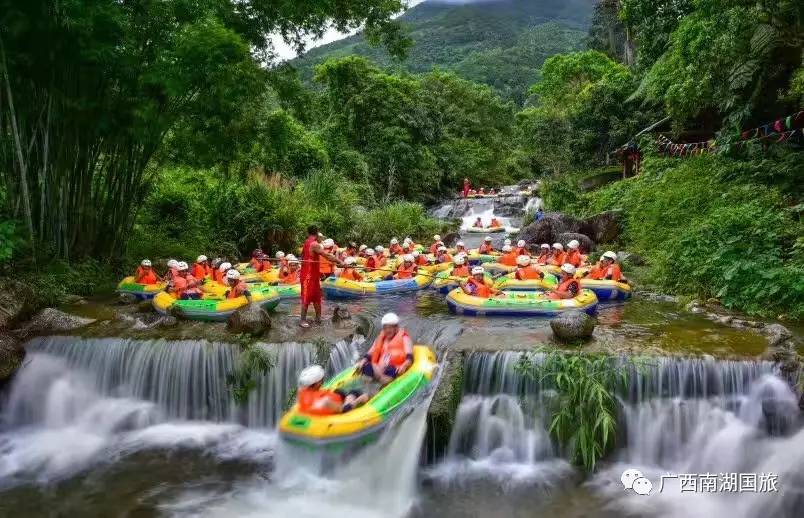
(634, 479)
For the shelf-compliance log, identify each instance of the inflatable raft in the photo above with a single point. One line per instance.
(335, 287)
(498, 268)
(446, 282)
(519, 304)
(141, 291)
(488, 230)
(364, 423)
(607, 290)
(288, 291)
(213, 308)
(475, 257)
(511, 283)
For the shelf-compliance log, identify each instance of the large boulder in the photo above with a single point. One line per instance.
(11, 355)
(508, 206)
(777, 335)
(155, 321)
(572, 326)
(51, 320)
(587, 245)
(451, 238)
(13, 296)
(251, 320)
(604, 227)
(548, 229)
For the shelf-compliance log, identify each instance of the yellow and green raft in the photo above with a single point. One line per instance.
(511, 283)
(336, 287)
(362, 424)
(212, 307)
(446, 282)
(487, 230)
(519, 304)
(141, 291)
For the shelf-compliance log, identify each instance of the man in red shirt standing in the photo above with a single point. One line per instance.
(466, 186)
(310, 277)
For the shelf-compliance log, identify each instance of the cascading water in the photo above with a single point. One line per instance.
(485, 212)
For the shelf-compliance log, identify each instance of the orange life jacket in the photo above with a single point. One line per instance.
(237, 290)
(480, 288)
(543, 258)
(395, 250)
(264, 265)
(381, 261)
(528, 273)
(461, 271)
(434, 248)
(600, 272)
(254, 263)
(521, 251)
(574, 258)
(508, 259)
(494, 223)
(446, 258)
(217, 276)
(565, 286)
(199, 271)
(192, 285)
(405, 272)
(558, 259)
(371, 263)
(290, 277)
(391, 352)
(308, 399)
(145, 276)
(485, 249)
(350, 274)
(421, 260)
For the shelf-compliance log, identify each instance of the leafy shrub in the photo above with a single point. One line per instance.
(399, 219)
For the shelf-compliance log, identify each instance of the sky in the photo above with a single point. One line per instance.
(285, 52)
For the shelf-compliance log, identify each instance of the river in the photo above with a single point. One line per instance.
(104, 426)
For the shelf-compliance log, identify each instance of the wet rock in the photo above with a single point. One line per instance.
(777, 335)
(604, 227)
(725, 320)
(340, 314)
(444, 405)
(11, 355)
(694, 307)
(630, 259)
(51, 320)
(586, 244)
(251, 320)
(74, 299)
(573, 325)
(13, 295)
(655, 297)
(145, 306)
(125, 299)
(451, 238)
(548, 229)
(509, 206)
(155, 321)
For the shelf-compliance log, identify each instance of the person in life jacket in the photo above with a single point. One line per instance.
(568, 286)
(380, 257)
(326, 267)
(472, 192)
(348, 272)
(173, 269)
(145, 273)
(219, 274)
(419, 258)
(482, 190)
(408, 246)
(461, 269)
(312, 399)
(494, 223)
(527, 271)
(371, 262)
(443, 255)
(478, 223)
(460, 248)
(184, 286)
(574, 253)
(350, 250)
(237, 288)
(408, 268)
(544, 254)
(264, 264)
(521, 248)
(361, 252)
(436, 243)
(390, 355)
(492, 192)
(486, 247)
(559, 257)
(509, 256)
(281, 262)
(255, 257)
(395, 249)
(476, 285)
(607, 269)
(290, 275)
(200, 269)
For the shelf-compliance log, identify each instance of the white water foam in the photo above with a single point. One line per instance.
(485, 216)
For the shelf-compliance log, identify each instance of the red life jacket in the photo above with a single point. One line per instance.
(405, 272)
(565, 287)
(521, 251)
(389, 352)
(217, 276)
(309, 400)
(199, 271)
(371, 263)
(445, 258)
(480, 288)
(395, 250)
(543, 258)
(421, 260)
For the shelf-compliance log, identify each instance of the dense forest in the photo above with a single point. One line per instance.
(168, 129)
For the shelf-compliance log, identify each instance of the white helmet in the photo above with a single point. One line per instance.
(415, 253)
(436, 238)
(172, 263)
(488, 239)
(183, 266)
(328, 243)
(379, 249)
(280, 255)
(390, 319)
(224, 266)
(349, 261)
(233, 274)
(442, 248)
(523, 260)
(545, 245)
(507, 248)
(408, 258)
(507, 242)
(460, 260)
(521, 243)
(407, 240)
(369, 251)
(460, 243)
(558, 246)
(394, 241)
(362, 247)
(146, 262)
(201, 258)
(311, 375)
(573, 245)
(610, 255)
(478, 270)
(292, 259)
(568, 268)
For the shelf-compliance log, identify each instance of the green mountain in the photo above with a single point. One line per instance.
(498, 42)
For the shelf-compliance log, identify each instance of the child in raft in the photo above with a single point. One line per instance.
(476, 285)
(145, 273)
(348, 271)
(486, 247)
(290, 275)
